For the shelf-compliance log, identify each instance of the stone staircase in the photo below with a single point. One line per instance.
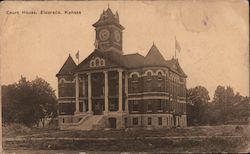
(88, 122)
(94, 122)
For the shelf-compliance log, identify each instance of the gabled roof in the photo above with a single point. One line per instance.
(154, 57)
(67, 67)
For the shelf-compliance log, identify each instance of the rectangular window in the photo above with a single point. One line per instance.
(126, 122)
(135, 105)
(149, 106)
(113, 104)
(135, 121)
(84, 88)
(149, 121)
(135, 87)
(61, 90)
(159, 105)
(160, 120)
(160, 86)
(148, 86)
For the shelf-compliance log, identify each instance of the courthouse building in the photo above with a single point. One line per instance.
(111, 89)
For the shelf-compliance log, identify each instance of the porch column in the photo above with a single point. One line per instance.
(126, 92)
(84, 94)
(176, 121)
(77, 93)
(120, 91)
(106, 87)
(89, 94)
(181, 121)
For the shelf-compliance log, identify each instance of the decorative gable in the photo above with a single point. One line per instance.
(98, 59)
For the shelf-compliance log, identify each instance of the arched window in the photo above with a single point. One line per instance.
(134, 78)
(97, 62)
(102, 62)
(92, 63)
(62, 88)
(159, 76)
(149, 76)
(61, 81)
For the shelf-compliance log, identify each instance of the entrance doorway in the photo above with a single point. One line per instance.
(112, 122)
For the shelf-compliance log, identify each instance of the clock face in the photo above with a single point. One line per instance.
(104, 34)
(117, 36)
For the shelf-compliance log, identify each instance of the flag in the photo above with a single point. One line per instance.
(177, 46)
(77, 55)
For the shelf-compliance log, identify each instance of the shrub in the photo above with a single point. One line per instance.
(13, 129)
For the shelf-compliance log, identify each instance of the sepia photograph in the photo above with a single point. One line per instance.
(125, 77)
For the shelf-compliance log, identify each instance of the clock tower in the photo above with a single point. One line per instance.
(109, 32)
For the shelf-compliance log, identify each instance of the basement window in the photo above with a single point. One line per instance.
(149, 121)
(160, 120)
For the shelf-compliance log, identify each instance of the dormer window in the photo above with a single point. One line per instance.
(97, 62)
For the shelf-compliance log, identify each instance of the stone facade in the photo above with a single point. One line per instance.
(111, 90)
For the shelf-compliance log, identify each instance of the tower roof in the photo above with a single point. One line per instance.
(108, 17)
(67, 67)
(154, 57)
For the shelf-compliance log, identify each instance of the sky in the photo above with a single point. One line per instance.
(213, 36)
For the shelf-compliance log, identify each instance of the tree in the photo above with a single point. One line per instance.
(241, 108)
(199, 97)
(230, 106)
(226, 106)
(28, 102)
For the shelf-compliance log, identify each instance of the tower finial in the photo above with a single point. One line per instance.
(108, 5)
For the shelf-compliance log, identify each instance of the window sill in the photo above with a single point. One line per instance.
(134, 111)
(134, 81)
(159, 110)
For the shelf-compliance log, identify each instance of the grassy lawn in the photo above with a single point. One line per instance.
(233, 141)
(224, 130)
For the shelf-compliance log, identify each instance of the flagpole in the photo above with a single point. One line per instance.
(78, 57)
(175, 47)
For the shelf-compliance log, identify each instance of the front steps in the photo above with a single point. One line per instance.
(87, 122)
